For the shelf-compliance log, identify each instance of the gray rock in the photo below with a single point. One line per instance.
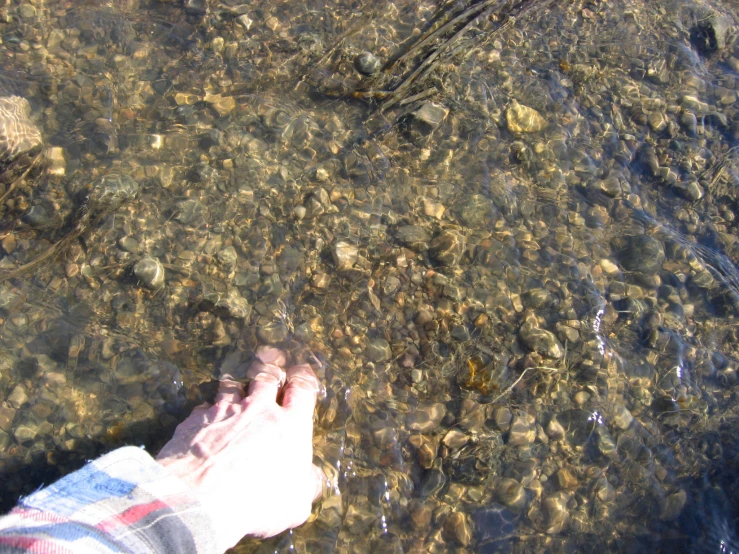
(150, 272)
(460, 333)
(378, 350)
(426, 119)
(227, 256)
(413, 236)
(190, 211)
(367, 63)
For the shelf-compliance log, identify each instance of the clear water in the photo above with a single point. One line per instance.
(512, 251)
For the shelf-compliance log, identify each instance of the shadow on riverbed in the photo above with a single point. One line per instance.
(22, 476)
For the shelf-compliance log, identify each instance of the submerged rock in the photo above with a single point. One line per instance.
(522, 119)
(150, 272)
(18, 134)
(640, 253)
(367, 63)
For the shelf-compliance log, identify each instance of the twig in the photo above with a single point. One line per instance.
(509, 389)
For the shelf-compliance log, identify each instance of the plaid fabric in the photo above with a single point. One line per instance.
(121, 502)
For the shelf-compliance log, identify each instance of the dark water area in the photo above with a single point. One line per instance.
(505, 232)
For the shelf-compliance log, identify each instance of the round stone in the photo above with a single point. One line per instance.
(367, 63)
(378, 350)
(150, 272)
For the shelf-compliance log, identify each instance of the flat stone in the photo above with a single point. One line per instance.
(457, 528)
(447, 248)
(426, 119)
(24, 433)
(511, 493)
(455, 438)
(378, 350)
(17, 397)
(540, 340)
(6, 417)
(427, 418)
(566, 480)
(522, 119)
(523, 431)
(556, 514)
(673, 506)
(345, 255)
(622, 417)
(414, 237)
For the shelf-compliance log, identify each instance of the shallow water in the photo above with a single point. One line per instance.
(511, 252)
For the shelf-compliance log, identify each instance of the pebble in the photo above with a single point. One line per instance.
(24, 433)
(426, 419)
(457, 528)
(460, 333)
(673, 506)
(566, 480)
(640, 253)
(378, 350)
(512, 494)
(455, 438)
(522, 119)
(523, 431)
(18, 134)
(7, 415)
(273, 332)
(367, 63)
(447, 248)
(150, 272)
(414, 237)
(426, 450)
(17, 397)
(554, 429)
(345, 255)
(426, 119)
(502, 417)
(228, 256)
(540, 340)
(556, 514)
(622, 417)
(433, 209)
